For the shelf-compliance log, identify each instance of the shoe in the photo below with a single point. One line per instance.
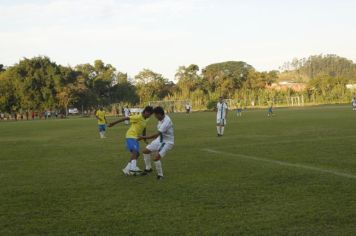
(148, 171)
(159, 177)
(136, 172)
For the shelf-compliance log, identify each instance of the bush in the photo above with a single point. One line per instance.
(211, 105)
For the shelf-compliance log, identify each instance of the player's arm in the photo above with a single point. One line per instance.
(118, 121)
(96, 115)
(153, 136)
(106, 121)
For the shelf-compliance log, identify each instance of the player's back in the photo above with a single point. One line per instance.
(165, 126)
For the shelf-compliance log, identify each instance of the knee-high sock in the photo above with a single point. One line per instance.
(133, 165)
(218, 129)
(127, 168)
(147, 158)
(222, 130)
(159, 170)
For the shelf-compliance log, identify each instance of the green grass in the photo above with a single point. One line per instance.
(58, 178)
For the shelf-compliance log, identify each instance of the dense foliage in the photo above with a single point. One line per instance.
(40, 84)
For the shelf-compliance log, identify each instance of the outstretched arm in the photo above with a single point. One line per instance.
(153, 136)
(118, 121)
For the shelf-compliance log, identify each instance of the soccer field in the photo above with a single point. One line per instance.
(293, 174)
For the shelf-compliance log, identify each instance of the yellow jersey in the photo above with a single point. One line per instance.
(239, 105)
(138, 124)
(270, 103)
(101, 117)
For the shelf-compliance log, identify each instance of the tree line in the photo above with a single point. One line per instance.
(41, 84)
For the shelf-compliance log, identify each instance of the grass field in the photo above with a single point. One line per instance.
(293, 174)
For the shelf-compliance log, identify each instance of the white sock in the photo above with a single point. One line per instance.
(133, 165)
(159, 168)
(222, 130)
(218, 129)
(101, 134)
(147, 158)
(127, 168)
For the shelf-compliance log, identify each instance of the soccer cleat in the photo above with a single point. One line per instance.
(159, 177)
(148, 171)
(136, 172)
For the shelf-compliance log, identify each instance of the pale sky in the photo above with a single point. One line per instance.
(164, 34)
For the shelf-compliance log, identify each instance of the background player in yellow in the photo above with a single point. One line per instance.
(100, 116)
(137, 128)
(239, 108)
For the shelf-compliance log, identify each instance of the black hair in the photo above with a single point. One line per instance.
(158, 110)
(148, 109)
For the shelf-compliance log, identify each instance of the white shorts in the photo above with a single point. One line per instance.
(161, 148)
(220, 121)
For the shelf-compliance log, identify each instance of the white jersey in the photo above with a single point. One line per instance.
(222, 108)
(126, 112)
(165, 127)
(354, 102)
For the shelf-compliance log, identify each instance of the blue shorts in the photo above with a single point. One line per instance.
(270, 110)
(132, 145)
(102, 128)
(239, 110)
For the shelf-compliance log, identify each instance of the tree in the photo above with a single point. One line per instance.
(188, 79)
(226, 77)
(151, 86)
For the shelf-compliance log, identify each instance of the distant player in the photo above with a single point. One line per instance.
(354, 104)
(188, 108)
(221, 115)
(162, 143)
(137, 128)
(239, 109)
(270, 108)
(127, 113)
(100, 116)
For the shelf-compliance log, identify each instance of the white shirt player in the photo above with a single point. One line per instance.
(165, 141)
(126, 112)
(222, 108)
(165, 127)
(354, 102)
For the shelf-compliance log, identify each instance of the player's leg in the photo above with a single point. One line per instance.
(101, 131)
(147, 160)
(134, 147)
(154, 146)
(161, 153)
(218, 126)
(222, 127)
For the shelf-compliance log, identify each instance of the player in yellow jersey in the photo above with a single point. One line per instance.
(100, 116)
(270, 108)
(239, 108)
(137, 128)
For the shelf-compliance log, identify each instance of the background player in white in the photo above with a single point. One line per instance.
(164, 141)
(127, 114)
(221, 115)
(354, 104)
(188, 108)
